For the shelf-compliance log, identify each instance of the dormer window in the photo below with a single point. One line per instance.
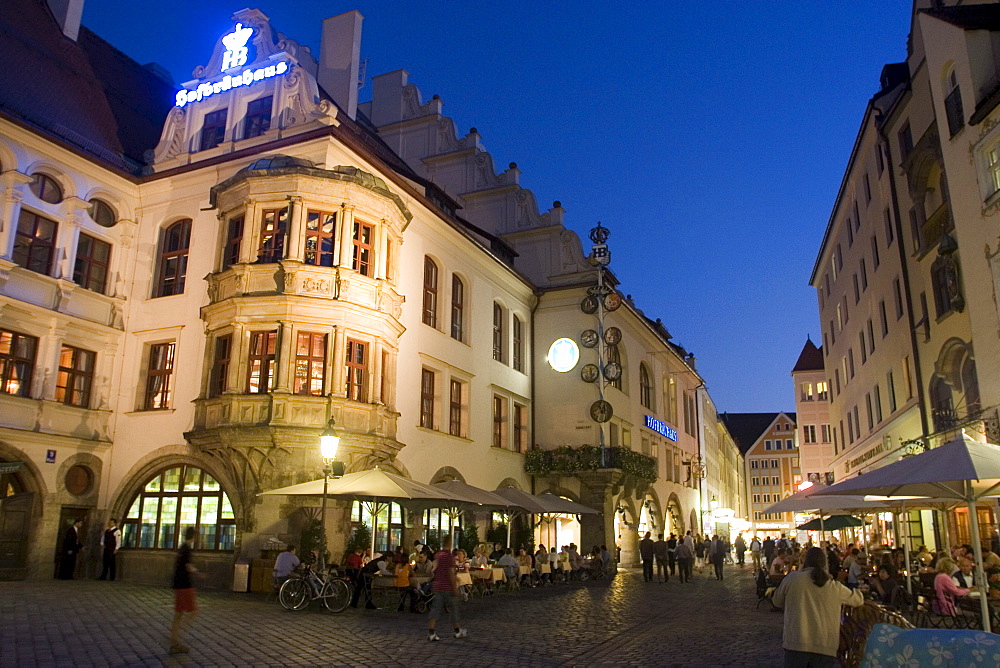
(258, 118)
(953, 104)
(214, 129)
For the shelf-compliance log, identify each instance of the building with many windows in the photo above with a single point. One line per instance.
(196, 279)
(770, 450)
(908, 327)
(812, 408)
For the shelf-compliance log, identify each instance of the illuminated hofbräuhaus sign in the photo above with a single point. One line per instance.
(236, 55)
(661, 428)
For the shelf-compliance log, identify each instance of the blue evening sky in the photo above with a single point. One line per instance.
(709, 136)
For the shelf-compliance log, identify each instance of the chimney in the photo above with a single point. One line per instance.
(67, 14)
(340, 58)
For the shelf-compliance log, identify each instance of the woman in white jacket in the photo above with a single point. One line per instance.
(812, 600)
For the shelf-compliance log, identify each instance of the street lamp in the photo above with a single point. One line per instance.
(714, 503)
(329, 441)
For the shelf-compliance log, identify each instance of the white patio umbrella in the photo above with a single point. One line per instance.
(374, 488)
(482, 499)
(542, 504)
(960, 470)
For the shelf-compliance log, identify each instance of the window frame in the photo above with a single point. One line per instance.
(456, 405)
(427, 382)
(309, 367)
(29, 245)
(457, 307)
(645, 387)
(257, 120)
(517, 343)
(520, 427)
(265, 356)
(500, 415)
(86, 264)
(175, 247)
(11, 362)
(356, 370)
(499, 332)
(69, 377)
(213, 129)
(430, 293)
(235, 228)
(273, 235)
(222, 353)
(157, 398)
(363, 253)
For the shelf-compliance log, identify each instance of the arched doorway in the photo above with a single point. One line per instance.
(17, 516)
(626, 533)
(675, 516)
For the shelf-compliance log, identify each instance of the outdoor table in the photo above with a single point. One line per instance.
(544, 569)
(524, 570)
(463, 579)
(417, 580)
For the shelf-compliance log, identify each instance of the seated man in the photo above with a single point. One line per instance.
(962, 576)
(423, 568)
(286, 562)
(508, 563)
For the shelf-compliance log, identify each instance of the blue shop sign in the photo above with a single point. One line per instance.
(661, 428)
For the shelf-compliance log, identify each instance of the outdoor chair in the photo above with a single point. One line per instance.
(764, 589)
(926, 617)
(857, 623)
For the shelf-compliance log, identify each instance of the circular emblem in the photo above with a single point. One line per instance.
(589, 304)
(612, 336)
(588, 338)
(589, 373)
(563, 355)
(612, 301)
(601, 411)
(612, 371)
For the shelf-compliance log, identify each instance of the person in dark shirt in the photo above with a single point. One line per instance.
(71, 547)
(647, 551)
(184, 595)
(672, 553)
(885, 583)
(496, 553)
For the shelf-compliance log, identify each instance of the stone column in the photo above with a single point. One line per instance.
(295, 243)
(12, 183)
(337, 387)
(346, 241)
(375, 377)
(285, 362)
(597, 490)
(237, 360)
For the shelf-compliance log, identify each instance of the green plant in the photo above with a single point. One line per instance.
(469, 538)
(497, 534)
(360, 537)
(567, 459)
(312, 539)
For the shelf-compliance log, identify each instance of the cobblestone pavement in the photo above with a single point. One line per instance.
(622, 622)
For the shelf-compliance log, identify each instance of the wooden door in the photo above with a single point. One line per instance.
(15, 521)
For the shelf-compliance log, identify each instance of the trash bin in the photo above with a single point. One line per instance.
(241, 576)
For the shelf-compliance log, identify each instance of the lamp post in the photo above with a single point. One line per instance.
(329, 441)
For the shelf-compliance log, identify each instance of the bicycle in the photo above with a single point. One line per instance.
(306, 585)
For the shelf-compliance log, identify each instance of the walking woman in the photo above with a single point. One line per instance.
(812, 600)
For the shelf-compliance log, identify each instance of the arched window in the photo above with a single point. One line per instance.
(175, 499)
(942, 408)
(103, 213)
(457, 307)
(46, 188)
(953, 104)
(430, 292)
(645, 387)
(970, 385)
(173, 259)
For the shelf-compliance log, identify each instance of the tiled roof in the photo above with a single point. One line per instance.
(810, 359)
(969, 17)
(84, 93)
(747, 428)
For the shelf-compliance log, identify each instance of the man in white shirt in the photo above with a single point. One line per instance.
(111, 540)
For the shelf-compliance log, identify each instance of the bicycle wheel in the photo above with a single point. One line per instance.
(336, 595)
(294, 594)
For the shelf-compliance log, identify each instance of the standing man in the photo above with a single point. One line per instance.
(647, 551)
(768, 551)
(660, 550)
(717, 554)
(741, 549)
(672, 553)
(184, 596)
(685, 557)
(111, 539)
(755, 548)
(71, 547)
(445, 587)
